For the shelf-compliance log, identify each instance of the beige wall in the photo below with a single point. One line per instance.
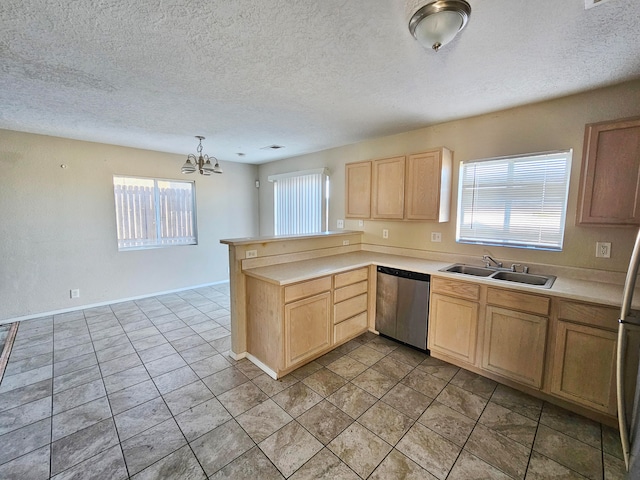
(552, 125)
(57, 226)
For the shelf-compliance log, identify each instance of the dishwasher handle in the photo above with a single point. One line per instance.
(423, 277)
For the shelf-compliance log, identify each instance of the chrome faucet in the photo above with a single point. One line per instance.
(514, 266)
(487, 261)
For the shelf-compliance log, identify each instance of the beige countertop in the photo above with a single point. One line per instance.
(564, 286)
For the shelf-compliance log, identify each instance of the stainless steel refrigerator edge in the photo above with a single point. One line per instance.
(402, 305)
(627, 384)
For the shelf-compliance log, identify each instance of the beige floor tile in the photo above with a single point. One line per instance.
(352, 400)
(297, 399)
(252, 464)
(386, 422)
(450, 424)
(306, 370)
(614, 468)
(445, 372)
(347, 367)
(398, 466)
(392, 368)
(264, 419)
(408, 355)
(465, 402)
(424, 383)
(325, 421)
(543, 468)
(571, 424)
(474, 383)
(431, 451)
(360, 449)
(290, 447)
(374, 383)
(510, 424)
(366, 355)
(518, 402)
(241, 398)
(470, 467)
(503, 453)
(324, 382)
(326, 466)
(270, 386)
(407, 400)
(568, 451)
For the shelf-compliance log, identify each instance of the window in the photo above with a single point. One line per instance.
(154, 213)
(301, 202)
(514, 201)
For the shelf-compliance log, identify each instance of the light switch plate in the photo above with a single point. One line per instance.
(340, 223)
(385, 233)
(436, 237)
(251, 254)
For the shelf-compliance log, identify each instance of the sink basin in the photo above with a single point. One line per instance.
(538, 280)
(469, 270)
(543, 281)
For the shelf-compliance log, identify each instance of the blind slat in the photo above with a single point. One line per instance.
(299, 204)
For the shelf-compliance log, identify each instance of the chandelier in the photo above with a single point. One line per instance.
(202, 163)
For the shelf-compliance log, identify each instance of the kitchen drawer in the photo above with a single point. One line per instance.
(596, 315)
(353, 276)
(350, 291)
(518, 301)
(306, 289)
(466, 290)
(349, 308)
(350, 327)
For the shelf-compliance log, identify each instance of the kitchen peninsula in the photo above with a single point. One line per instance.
(296, 298)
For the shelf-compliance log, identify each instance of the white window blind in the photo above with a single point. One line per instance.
(514, 201)
(300, 202)
(154, 213)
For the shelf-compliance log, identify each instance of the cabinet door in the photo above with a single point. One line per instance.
(358, 190)
(387, 192)
(453, 327)
(428, 186)
(307, 328)
(514, 345)
(584, 366)
(610, 178)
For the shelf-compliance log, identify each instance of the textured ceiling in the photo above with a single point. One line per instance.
(306, 74)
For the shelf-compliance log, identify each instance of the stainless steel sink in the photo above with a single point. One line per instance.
(542, 281)
(469, 270)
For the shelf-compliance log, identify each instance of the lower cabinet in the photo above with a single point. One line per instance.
(584, 359)
(288, 326)
(307, 328)
(453, 319)
(514, 345)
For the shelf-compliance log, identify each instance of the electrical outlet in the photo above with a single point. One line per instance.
(75, 293)
(385, 233)
(345, 243)
(436, 237)
(361, 223)
(340, 223)
(251, 254)
(603, 249)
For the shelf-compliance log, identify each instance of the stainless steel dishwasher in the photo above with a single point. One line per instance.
(402, 305)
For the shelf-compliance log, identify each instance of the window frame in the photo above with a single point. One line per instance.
(157, 211)
(520, 242)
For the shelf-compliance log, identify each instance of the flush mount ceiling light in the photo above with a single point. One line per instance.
(437, 23)
(202, 163)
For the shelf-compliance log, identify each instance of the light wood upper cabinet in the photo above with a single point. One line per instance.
(387, 189)
(428, 186)
(358, 190)
(610, 177)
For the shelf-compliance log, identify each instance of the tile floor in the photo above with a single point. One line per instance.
(146, 390)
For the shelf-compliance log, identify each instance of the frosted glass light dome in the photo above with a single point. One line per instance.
(437, 23)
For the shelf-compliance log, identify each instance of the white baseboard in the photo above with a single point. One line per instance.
(237, 356)
(100, 304)
(262, 366)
